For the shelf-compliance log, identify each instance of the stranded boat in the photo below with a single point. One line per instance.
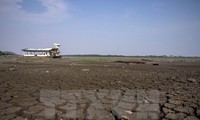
(43, 52)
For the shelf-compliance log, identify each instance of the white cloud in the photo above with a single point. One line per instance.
(56, 11)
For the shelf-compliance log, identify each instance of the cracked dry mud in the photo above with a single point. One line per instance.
(58, 89)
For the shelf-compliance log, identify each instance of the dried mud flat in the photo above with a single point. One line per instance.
(59, 89)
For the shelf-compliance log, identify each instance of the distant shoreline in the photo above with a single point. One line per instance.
(146, 56)
(3, 53)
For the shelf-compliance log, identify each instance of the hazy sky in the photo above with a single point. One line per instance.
(122, 27)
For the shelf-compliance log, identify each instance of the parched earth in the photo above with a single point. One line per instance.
(62, 90)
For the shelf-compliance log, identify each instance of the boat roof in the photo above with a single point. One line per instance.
(37, 50)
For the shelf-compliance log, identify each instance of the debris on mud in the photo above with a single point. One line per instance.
(191, 80)
(13, 69)
(129, 62)
(152, 63)
(85, 70)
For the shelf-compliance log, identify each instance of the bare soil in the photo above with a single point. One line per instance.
(178, 84)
